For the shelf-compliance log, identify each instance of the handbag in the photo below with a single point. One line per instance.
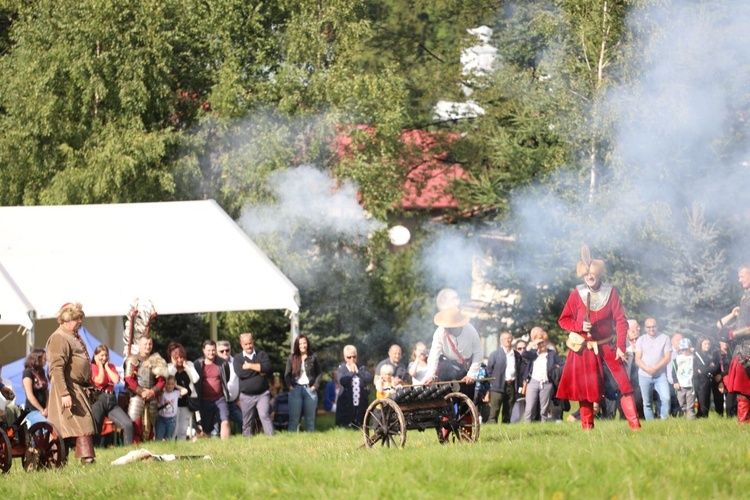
(522, 390)
(449, 369)
(93, 393)
(575, 341)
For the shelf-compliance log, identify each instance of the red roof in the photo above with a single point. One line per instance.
(429, 173)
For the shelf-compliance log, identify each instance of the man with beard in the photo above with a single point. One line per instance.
(737, 381)
(212, 390)
(145, 378)
(597, 324)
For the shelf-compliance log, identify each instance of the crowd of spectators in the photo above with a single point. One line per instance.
(220, 393)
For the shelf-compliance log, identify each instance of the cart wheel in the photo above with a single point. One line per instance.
(49, 447)
(6, 452)
(384, 422)
(462, 422)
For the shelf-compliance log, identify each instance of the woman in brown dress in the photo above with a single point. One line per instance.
(70, 373)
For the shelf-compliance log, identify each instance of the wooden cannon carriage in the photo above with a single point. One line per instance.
(39, 446)
(440, 406)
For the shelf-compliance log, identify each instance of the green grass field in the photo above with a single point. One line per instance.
(666, 459)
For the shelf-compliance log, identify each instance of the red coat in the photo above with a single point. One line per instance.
(737, 380)
(583, 375)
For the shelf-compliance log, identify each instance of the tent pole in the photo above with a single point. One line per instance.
(294, 328)
(212, 326)
(31, 334)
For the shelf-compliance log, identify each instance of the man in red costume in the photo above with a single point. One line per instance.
(737, 381)
(598, 330)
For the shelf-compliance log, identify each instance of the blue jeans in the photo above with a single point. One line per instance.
(302, 400)
(165, 427)
(34, 417)
(647, 385)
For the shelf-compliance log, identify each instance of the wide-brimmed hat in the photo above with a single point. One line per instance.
(451, 318)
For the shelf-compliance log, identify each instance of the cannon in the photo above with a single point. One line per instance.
(439, 406)
(39, 446)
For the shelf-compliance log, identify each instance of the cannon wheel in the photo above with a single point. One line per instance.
(384, 422)
(46, 448)
(462, 423)
(6, 452)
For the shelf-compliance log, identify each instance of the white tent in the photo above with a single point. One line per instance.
(186, 257)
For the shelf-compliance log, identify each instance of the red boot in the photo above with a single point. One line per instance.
(627, 403)
(743, 410)
(587, 414)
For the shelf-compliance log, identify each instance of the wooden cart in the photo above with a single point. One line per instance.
(40, 446)
(440, 406)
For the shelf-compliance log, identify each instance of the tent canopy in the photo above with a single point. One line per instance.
(14, 371)
(186, 257)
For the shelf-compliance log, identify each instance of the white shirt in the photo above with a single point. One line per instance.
(468, 345)
(539, 368)
(510, 365)
(233, 385)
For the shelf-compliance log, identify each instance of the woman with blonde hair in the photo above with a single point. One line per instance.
(418, 364)
(70, 374)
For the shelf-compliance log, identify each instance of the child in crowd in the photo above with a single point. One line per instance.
(682, 374)
(166, 421)
(384, 382)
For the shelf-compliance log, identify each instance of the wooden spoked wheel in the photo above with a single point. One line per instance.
(384, 423)
(6, 452)
(462, 423)
(48, 447)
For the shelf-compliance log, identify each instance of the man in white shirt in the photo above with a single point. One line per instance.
(224, 350)
(456, 352)
(503, 366)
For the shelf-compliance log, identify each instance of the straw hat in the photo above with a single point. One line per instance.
(451, 318)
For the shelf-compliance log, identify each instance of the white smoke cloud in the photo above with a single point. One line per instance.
(310, 208)
(681, 139)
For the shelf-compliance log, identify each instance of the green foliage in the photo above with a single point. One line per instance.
(696, 294)
(104, 102)
(422, 39)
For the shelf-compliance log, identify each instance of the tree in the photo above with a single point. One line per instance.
(696, 294)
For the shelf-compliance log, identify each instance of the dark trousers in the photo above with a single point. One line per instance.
(718, 398)
(730, 404)
(106, 406)
(703, 394)
(502, 401)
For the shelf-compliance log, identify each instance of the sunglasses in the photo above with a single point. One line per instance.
(352, 357)
(224, 351)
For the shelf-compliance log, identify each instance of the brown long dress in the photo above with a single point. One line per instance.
(69, 372)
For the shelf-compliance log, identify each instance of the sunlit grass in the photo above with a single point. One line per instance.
(670, 459)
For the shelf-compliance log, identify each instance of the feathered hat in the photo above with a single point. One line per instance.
(587, 265)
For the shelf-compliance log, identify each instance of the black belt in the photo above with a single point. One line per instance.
(510, 381)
